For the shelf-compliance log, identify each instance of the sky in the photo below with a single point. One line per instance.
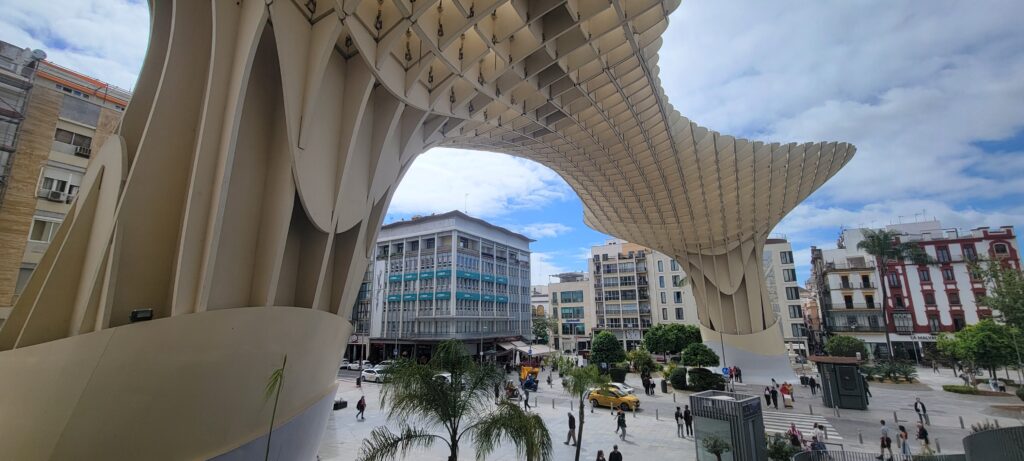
(932, 95)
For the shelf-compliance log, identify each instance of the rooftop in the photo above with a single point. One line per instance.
(449, 215)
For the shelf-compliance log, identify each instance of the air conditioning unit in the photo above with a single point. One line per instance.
(83, 151)
(56, 196)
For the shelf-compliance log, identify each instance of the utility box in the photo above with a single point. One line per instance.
(734, 418)
(842, 384)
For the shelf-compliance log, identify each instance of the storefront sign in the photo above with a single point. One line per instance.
(929, 338)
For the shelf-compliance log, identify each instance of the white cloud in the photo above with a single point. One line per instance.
(485, 183)
(105, 39)
(542, 230)
(542, 266)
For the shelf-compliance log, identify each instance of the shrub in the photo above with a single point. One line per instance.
(606, 348)
(906, 370)
(870, 372)
(678, 378)
(618, 375)
(702, 379)
(780, 449)
(699, 355)
(958, 389)
(1020, 393)
(846, 346)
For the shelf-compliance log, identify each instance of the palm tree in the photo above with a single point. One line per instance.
(580, 381)
(885, 247)
(458, 406)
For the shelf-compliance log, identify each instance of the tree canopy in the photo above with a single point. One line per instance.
(671, 338)
(542, 327)
(846, 346)
(699, 355)
(606, 348)
(1005, 291)
(986, 344)
(641, 360)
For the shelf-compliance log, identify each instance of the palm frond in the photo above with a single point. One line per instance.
(275, 380)
(382, 444)
(509, 423)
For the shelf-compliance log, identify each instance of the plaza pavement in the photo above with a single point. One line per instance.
(652, 429)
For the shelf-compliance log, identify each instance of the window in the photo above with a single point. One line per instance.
(798, 330)
(664, 312)
(1000, 249)
(954, 298)
(844, 281)
(865, 281)
(43, 230)
(661, 281)
(942, 254)
(53, 184)
(796, 312)
(664, 298)
(933, 324)
(848, 301)
(903, 322)
(958, 323)
(792, 293)
(789, 275)
(679, 313)
(925, 275)
(787, 257)
(894, 280)
(929, 299)
(675, 265)
(898, 302)
(970, 253)
(677, 297)
(869, 301)
(947, 274)
(661, 266)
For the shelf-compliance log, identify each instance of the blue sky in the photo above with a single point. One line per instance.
(932, 95)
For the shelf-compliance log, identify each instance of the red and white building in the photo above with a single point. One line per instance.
(924, 299)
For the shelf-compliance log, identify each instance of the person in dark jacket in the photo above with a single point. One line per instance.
(572, 430)
(775, 398)
(767, 396)
(922, 411)
(361, 408)
(679, 423)
(620, 424)
(600, 456)
(739, 375)
(615, 455)
(688, 420)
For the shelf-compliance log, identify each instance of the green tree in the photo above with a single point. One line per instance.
(641, 360)
(715, 445)
(671, 338)
(846, 346)
(457, 408)
(606, 348)
(542, 327)
(1005, 290)
(699, 355)
(951, 348)
(884, 245)
(579, 382)
(987, 345)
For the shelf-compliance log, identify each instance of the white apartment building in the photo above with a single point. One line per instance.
(673, 294)
(924, 299)
(784, 293)
(539, 301)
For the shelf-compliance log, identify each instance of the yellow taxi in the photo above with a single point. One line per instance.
(612, 398)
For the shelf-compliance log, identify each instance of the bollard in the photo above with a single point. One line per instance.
(536, 401)
(810, 409)
(656, 418)
(860, 437)
(673, 396)
(938, 448)
(962, 423)
(552, 404)
(634, 412)
(927, 420)
(895, 419)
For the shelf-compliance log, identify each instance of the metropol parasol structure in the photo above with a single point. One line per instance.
(242, 196)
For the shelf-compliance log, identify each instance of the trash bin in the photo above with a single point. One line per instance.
(664, 386)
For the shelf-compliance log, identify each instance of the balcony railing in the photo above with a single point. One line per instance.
(840, 266)
(855, 306)
(854, 286)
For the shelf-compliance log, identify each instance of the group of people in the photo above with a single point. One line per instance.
(735, 374)
(771, 394)
(615, 454)
(904, 440)
(648, 383)
(684, 420)
(816, 443)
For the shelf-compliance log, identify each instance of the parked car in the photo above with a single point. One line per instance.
(384, 364)
(622, 388)
(374, 375)
(612, 398)
(359, 365)
(344, 364)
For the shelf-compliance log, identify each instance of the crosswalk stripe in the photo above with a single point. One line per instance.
(779, 422)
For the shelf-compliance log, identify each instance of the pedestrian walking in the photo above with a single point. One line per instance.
(600, 456)
(796, 438)
(620, 427)
(688, 420)
(646, 382)
(775, 398)
(922, 436)
(615, 455)
(767, 396)
(359, 382)
(935, 366)
(813, 384)
(819, 432)
(679, 423)
(549, 379)
(904, 441)
(922, 411)
(885, 441)
(526, 401)
(361, 408)
(572, 430)
(739, 375)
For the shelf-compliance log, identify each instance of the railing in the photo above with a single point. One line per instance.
(839, 266)
(861, 456)
(854, 286)
(994, 443)
(855, 306)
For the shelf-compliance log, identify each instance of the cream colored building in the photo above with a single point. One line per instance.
(572, 308)
(51, 118)
(784, 293)
(672, 295)
(240, 200)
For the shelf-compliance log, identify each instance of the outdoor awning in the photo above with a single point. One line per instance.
(537, 349)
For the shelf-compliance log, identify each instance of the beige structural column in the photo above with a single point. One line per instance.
(265, 140)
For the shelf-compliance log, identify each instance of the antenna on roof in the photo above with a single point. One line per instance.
(465, 203)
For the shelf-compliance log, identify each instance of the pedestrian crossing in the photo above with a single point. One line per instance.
(777, 421)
